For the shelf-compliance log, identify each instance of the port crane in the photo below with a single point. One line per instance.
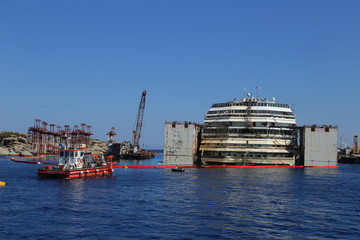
(139, 122)
(111, 136)
(130, 150)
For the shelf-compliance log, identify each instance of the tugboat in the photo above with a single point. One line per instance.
(72, 163)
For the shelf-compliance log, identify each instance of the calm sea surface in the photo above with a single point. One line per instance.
(311, 203)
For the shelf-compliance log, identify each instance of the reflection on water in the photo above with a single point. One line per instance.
(256, 203)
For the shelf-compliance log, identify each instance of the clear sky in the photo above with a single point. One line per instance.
(68, 62)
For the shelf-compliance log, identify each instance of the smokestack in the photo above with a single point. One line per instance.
(356, 144)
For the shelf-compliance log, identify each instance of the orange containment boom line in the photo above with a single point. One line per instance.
(217, 166)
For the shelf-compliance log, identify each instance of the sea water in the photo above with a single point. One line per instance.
(255, 203)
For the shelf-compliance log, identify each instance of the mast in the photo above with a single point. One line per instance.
(248, 112)
(139, 122)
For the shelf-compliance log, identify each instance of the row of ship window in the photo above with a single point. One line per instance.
(247, 154)
(252, 124)
(244, 116)
(252, 111)
(249, 131)
(246, 145)
(251, 104)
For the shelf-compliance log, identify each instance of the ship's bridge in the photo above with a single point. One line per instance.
(71, 156)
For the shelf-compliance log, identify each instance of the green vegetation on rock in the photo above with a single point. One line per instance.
(5, 134)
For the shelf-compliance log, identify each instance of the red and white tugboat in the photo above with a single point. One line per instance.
(73, 164)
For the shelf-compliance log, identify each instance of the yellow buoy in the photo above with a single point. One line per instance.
(2, 184)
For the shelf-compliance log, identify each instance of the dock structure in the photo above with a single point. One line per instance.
(318, 145)
(182, 140)
(46, 141)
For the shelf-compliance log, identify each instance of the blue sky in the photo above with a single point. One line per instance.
(68, 62)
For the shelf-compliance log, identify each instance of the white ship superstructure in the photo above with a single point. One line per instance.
(250, 131)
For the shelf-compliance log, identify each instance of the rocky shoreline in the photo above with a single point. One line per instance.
(19, 144)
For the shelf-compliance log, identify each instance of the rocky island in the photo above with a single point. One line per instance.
(19, 144)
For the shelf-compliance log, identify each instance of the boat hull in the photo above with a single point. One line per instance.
(178, 170)
(146, 156)
(76, 173)
(349, 159)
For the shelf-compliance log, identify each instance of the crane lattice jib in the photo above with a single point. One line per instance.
(139, 121)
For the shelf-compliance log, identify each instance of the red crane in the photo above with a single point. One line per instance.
(139, 122)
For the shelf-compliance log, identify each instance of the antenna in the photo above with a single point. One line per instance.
(257, 91)
(343, 139)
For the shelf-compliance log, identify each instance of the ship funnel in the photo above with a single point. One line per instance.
(356, 144)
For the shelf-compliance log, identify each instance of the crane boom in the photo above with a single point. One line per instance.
(139, 122)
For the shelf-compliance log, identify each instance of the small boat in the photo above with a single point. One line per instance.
(178, 169)
(350, 158)
(73, 164)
